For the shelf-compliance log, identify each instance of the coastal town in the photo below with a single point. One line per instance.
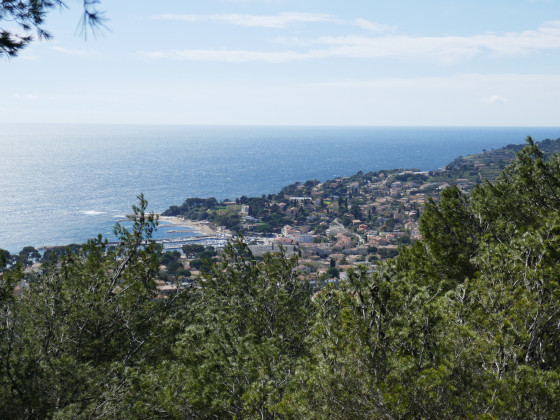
(332, 226)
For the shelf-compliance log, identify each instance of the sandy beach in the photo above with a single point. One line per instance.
(202, 227)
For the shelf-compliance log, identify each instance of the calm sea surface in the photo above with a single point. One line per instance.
(64, 184)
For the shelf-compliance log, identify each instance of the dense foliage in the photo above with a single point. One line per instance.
(463, 324)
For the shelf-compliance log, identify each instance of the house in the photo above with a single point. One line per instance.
(260, 250)
(300, 199)
(289, 231)
(335, 228)
(285, 241)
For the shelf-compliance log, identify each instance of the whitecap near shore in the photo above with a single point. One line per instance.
(92, 212)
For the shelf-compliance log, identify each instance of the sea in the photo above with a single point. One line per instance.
(62, 184)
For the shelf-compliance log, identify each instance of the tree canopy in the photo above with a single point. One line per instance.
(26, 17)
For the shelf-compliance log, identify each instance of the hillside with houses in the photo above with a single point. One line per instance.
(347, 221)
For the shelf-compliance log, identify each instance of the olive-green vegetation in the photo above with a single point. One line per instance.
(227, 214)
(74, 338)
(207, 209)
(462, 324)
(489, 164)
(174, 268)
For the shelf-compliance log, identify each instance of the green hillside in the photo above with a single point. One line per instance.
(488, 164)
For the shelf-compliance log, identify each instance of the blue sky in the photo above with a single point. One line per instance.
(283, 62)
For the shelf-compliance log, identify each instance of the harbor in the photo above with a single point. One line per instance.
(217, 241)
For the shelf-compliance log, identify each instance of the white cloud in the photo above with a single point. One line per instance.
(443, 100)
(232, 56)
(468, 81)
(77, 53)
(546, 37)
(444, 49)
(280, 20)
(371, 26)
(495, 99)
(26, 96)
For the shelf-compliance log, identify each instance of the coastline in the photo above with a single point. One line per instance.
(58, 219)
(201, 227)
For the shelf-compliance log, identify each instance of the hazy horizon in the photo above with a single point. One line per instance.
(289, 63)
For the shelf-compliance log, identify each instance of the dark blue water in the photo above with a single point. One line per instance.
(63, 184)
